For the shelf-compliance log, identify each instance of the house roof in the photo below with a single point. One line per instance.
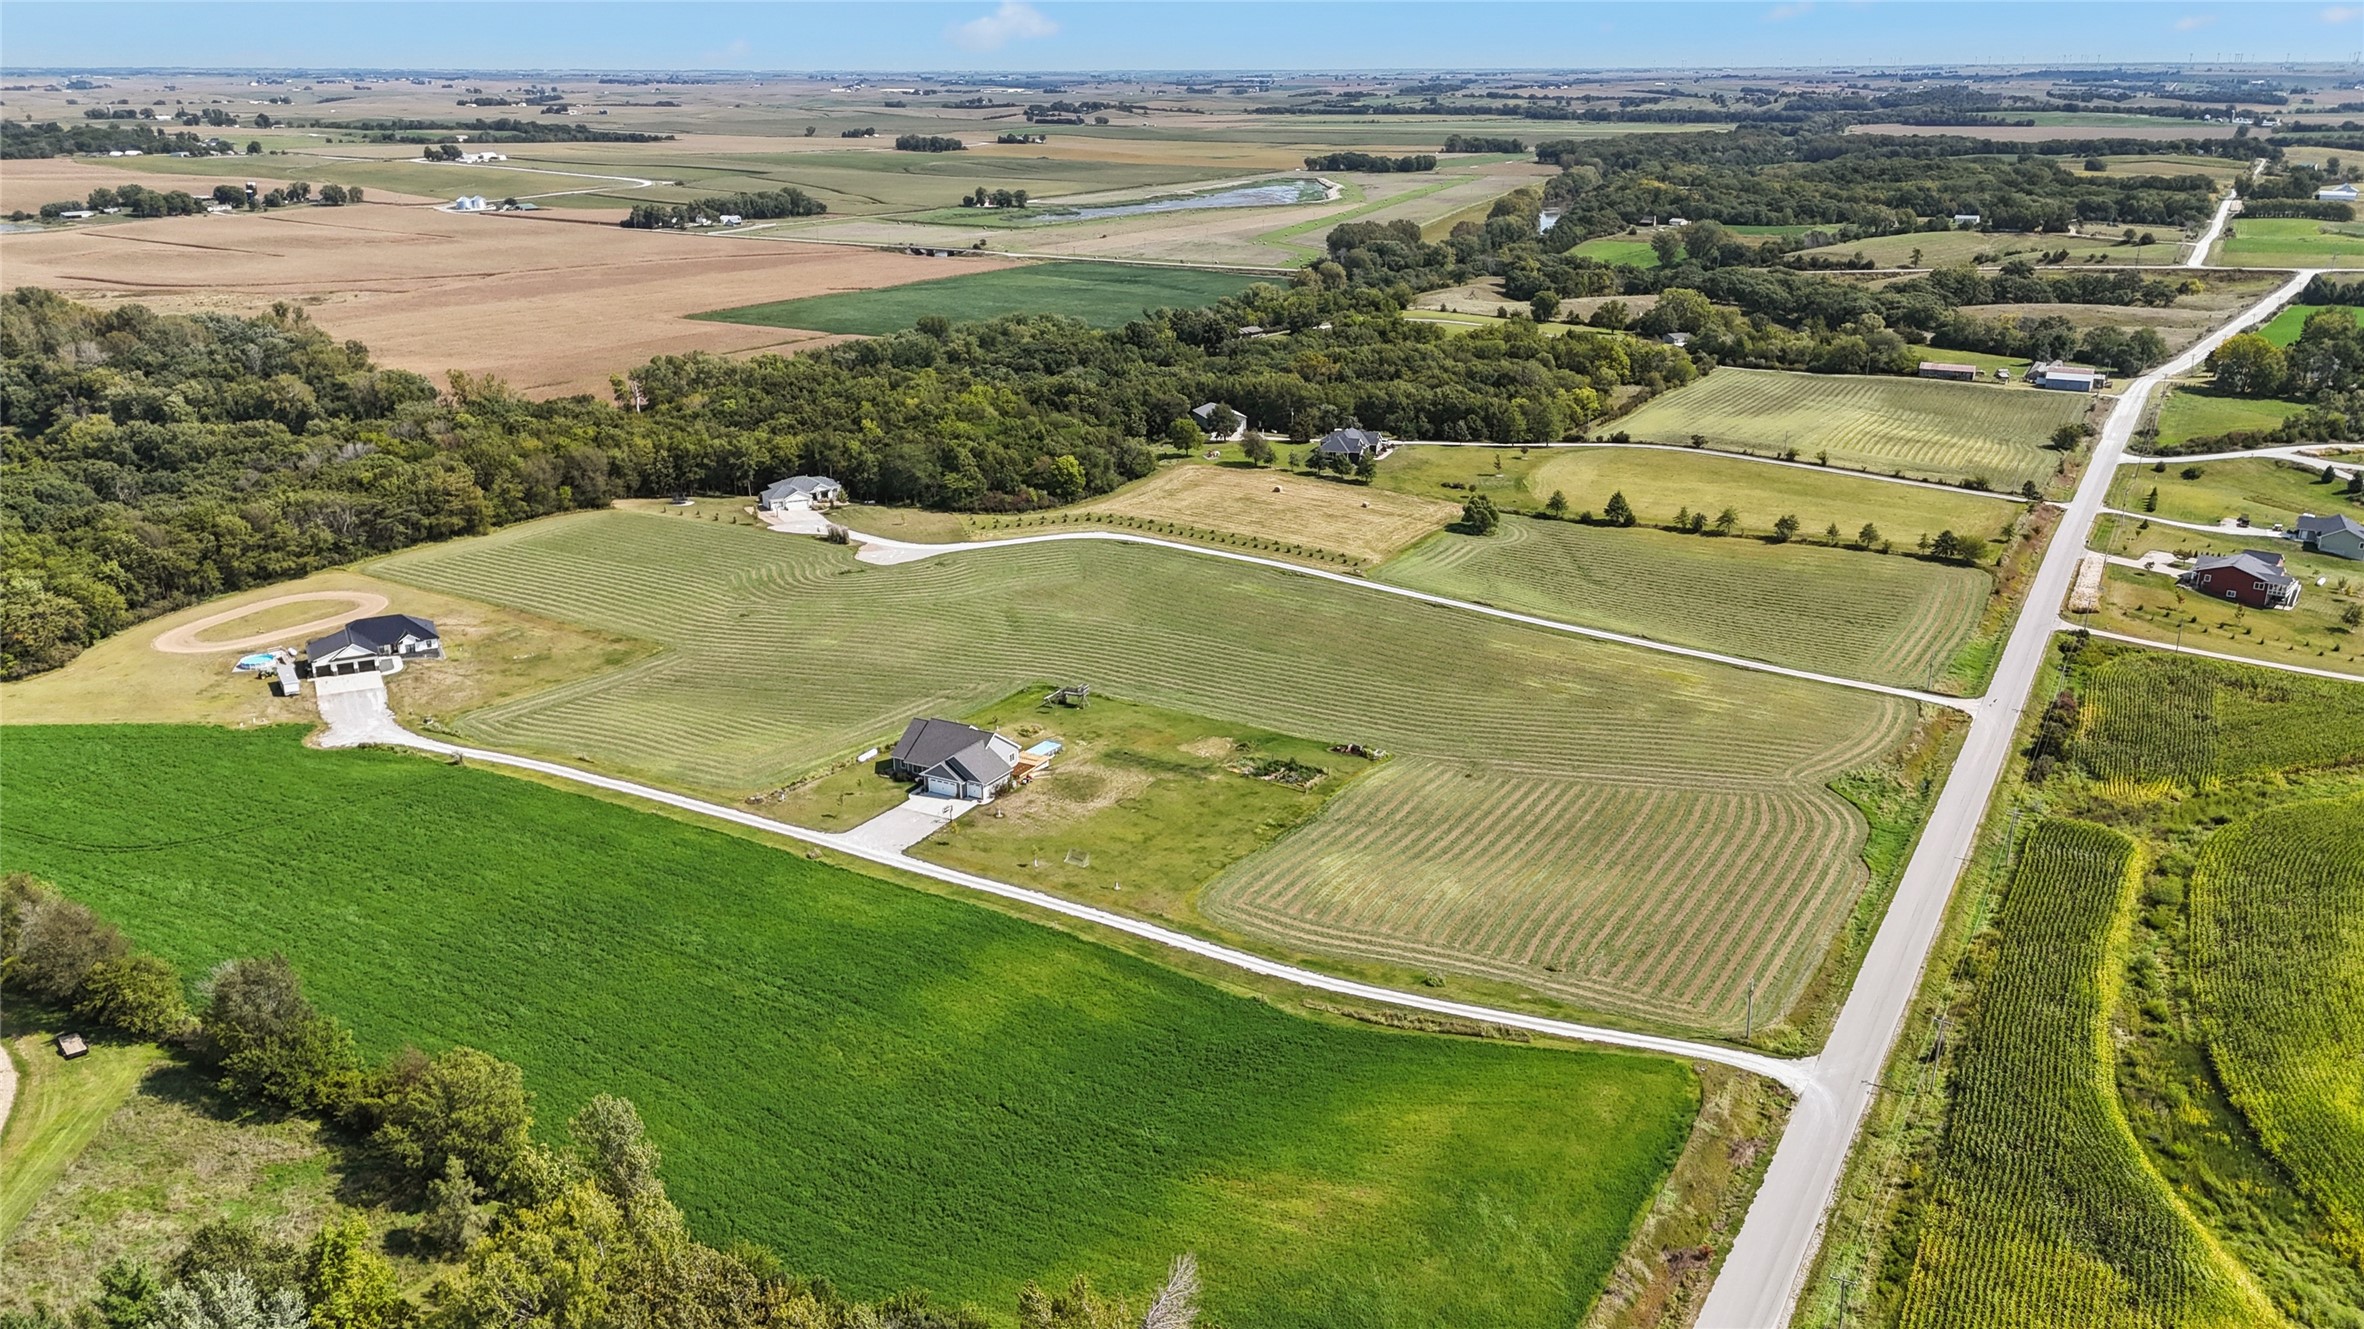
(980, 762)
(800, 485)
(2262, 564)
(927, 741)
(1351, 441)
(375, 635)
(2327, 523)
(1205, 414)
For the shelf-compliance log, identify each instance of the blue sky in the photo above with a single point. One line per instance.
(1160, 34)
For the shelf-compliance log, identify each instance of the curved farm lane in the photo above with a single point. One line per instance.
(183, 639)
(1725, 455)
(1759, 1284)
(358, 714)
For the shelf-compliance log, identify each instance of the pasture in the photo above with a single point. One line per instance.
(1659, 485)
(1923, 428)
(1624, 250)
(892, 1088)
(2191, 412)
(2290, 242)
(2045, 1209)
(2266, 490)
(1105, 295)
(1945, 249)
(1885, 618)
(553, 308)
(1361, 523)
(2278, 958)
(2286, 326)
(817, 644)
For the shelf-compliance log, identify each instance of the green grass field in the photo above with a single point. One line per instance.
(2290, 242)
(2278, 948)
(1924, 428)
(783, 654)
(2046, 1211)
(1660, 485)
(2149, 605)
(893, 1088)
(1619, 249)
(1859, 615)
(2192, 412)
(1103, 294)
(1940, 249)
(59, 1106)
(2265, 490)
(2286, 326)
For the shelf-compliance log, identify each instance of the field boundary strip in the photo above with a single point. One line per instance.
(1797, 1075)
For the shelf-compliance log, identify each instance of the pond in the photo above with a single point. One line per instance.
(1269, 193)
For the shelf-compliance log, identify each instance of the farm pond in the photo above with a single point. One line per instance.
(1265, 194)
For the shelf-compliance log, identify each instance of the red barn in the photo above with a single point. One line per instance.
(2252, 577)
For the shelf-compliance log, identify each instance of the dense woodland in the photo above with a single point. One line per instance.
(156, 460)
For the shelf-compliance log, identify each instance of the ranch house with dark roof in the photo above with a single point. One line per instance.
(381, 644)
(1355, 444)
(2333, 534)
(2253, 577)
(953, 760)
(800, 491)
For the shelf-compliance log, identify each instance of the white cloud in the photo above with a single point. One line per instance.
(1782, 13)
(2342, 14)
(1014, 21)
(2194, 22)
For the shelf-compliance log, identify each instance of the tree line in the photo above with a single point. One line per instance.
(788, 201)
(153, 461)
(1371, 162)
(519, 1232)
(928, 143)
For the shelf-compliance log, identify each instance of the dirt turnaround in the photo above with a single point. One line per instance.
(183, 639)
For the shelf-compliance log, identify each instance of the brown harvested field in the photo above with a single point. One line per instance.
(1366, 523)
(2165, 129)
(27, 184)
(553, 306)
(2179, 326)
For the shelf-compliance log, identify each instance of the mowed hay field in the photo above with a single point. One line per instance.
(785, 652)
(1359, 521)
(1922, 427)
(551, 307)
(1838, 611)
(1659, 485)
(890, 1087)
(2290, 242)
(1104, 295)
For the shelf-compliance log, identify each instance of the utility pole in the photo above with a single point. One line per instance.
(1750, 1028)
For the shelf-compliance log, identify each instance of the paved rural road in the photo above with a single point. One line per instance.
(1762, 1277)
(359, 715)
(2224, 213)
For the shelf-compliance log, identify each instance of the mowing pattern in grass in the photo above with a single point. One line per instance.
(1860, 615)
(891, 1087)
(1563, 887)
(1104, 295)
(2278, 949)
(2155, 717)
(786, 652)
(2046, 1212)
(1661, 484)
(1921, 427)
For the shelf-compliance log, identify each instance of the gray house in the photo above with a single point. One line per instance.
(1355, 444)
(953, 760)
(374, 645)
(1209, 416)
(800, 491)
(2332, 534)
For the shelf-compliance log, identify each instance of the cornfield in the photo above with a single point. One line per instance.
(2278, 971)
(2045, 1211)
(2152, 716)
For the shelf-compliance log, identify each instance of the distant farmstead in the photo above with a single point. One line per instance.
(1355, 444)
(382, 644)
(2339, 193)
(1940, 369)
(2253, 577)
(2066, 378)
(953, 760)
(801, 491)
